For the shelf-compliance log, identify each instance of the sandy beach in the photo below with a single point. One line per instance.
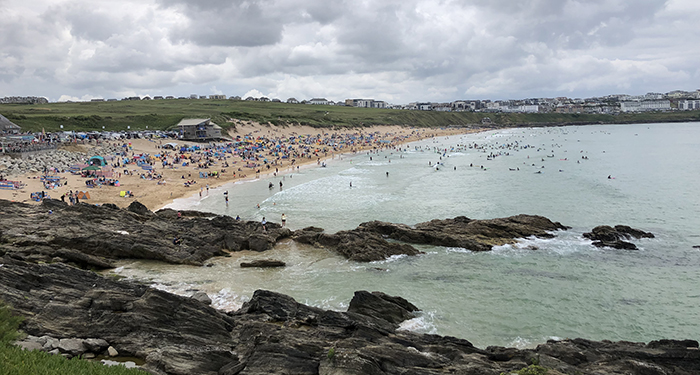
(157, 193)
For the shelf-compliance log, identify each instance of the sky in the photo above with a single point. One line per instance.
(398, 51)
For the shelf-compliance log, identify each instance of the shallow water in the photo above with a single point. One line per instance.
(511, 296)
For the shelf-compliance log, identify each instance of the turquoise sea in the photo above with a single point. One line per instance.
(511, 296)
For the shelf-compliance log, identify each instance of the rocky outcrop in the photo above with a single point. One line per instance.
(607, 236)
(263, 263)
(357, 244)
(368, 242)
(79, 310)
(93, 236)
(475, 235)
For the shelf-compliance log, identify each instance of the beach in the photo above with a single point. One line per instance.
(156, 193)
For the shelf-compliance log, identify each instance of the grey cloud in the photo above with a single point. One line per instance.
(229, 23)
(90, 24)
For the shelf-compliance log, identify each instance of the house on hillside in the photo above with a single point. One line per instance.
(319, 101)
(7, 126)
(198, 130)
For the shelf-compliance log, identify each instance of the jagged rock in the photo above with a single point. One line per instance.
(617, 244)
(73, 347)
(50, 343)
(263, 263)
(96, 345)
(607, 236)
(201, 297)
(475, 235)
(138, 208)
(357, 245)
(272, 333)
(367, 242)
(93, 236)
(379, 305)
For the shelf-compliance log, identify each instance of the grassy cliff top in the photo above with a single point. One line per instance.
(164, 114)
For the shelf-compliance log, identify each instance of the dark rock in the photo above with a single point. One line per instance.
(272, 333)
(138, 208)
(606, 233)
(53, 204)
(607, 236)
(379, 305)
(264, 263)
(617, 244)
(475, 235)
(92, 236)
(201, 297)
(358, 245)
(368, 242)
(111, 206)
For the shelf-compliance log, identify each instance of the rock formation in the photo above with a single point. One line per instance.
(76, 311)
(607, 236)
(263, 263)
(367, 242)
(93, 236)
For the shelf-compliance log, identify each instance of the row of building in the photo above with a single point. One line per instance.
(23, 100)
(674, 100)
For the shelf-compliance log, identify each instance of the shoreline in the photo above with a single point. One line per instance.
(156, 194)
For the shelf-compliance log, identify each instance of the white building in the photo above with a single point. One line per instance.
(688, 105)
(319, 101)
(646, 105)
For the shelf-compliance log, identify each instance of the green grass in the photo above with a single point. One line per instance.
(16, 361)
(164, 114)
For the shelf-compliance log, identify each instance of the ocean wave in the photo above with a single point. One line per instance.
(423, 323)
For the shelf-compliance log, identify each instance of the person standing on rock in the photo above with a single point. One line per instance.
(263, 222)
(284, 220)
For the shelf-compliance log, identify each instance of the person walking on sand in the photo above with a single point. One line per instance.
(284, 220)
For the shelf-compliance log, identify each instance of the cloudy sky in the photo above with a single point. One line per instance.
(398, 51)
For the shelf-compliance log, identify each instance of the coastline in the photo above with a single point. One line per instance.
(155, 196)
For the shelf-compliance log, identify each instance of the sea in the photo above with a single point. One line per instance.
(645, 176)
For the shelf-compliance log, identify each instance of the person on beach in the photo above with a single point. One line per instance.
(263, 222)
(284, 219)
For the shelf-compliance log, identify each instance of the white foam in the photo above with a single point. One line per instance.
(227, 300)
(423, 323)
(390, 259)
